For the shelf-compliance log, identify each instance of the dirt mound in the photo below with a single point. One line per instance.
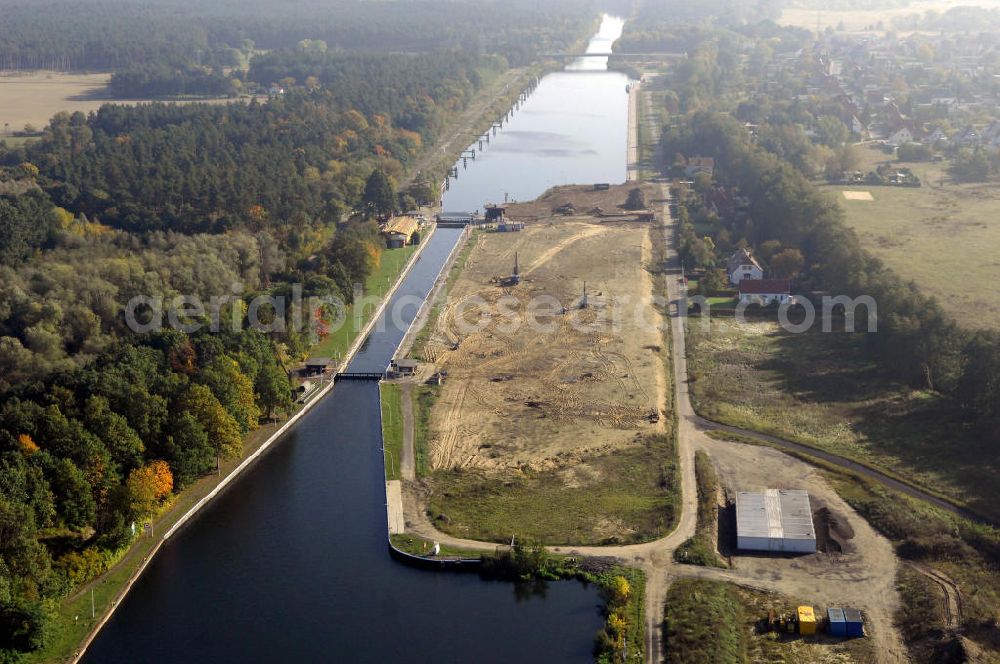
(833, 533)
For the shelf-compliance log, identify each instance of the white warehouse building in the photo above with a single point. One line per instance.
(774, 520)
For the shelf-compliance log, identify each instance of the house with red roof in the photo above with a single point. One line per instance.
(766, 291)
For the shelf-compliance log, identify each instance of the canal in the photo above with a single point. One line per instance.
(290, 564)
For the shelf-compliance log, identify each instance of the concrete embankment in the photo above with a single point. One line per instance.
(439, 283)
(393, 498)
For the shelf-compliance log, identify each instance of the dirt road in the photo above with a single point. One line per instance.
(549, 391)
(847, 464)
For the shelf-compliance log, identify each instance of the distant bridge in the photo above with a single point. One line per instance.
(360, 375)
(658, 54)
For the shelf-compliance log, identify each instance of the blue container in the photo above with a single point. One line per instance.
(837, 621)
(855, 623)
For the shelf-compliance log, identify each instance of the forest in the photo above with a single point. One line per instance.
(113, 34)
(300, 157)
(100, 427)
(166, 80)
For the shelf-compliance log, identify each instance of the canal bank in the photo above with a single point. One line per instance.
(290, 564)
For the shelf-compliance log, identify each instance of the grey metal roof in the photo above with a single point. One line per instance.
(774, 514)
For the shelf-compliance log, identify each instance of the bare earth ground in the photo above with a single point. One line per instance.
(519, 397)
(34, 97)
(819, 389)
(862, 576)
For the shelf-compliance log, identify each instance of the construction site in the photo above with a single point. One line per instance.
(550, 339)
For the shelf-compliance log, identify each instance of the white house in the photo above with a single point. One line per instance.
(900, 137)
(698, 164)
(937, 136)
(765, 291)
(858, 127)
(742, 265)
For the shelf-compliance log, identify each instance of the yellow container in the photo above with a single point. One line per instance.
(807, 621)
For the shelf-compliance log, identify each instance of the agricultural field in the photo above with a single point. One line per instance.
(942, 235)
(572, 409)
(819, 389)
(857, 19)
(33, 98)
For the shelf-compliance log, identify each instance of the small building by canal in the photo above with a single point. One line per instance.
(317, 366)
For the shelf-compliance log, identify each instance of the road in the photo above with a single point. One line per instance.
(632, 158)
(846, 464)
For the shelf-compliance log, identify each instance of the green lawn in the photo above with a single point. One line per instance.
(16, 141)
(703, 623)
(419, 546)
(714, 621)
(630, 495)
(378, 283)
(74, 622)
(721, 301)
(942, 235)
(424, 397)
(964, 551)
(700, 549)
(392, 429)
(74, 616)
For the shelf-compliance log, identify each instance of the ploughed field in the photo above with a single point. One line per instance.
(34, 97)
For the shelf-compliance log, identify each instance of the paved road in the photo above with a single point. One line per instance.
(632, 157)
(654, 558)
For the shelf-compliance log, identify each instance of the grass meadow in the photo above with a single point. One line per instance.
(943, 236)
(629, 495)
(820, 390)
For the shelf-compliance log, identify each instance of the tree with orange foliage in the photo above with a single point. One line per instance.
(374, 256)
(148, 485)
(27, 444)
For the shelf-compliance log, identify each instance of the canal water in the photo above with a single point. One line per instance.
(573, 129)
(290, 564)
